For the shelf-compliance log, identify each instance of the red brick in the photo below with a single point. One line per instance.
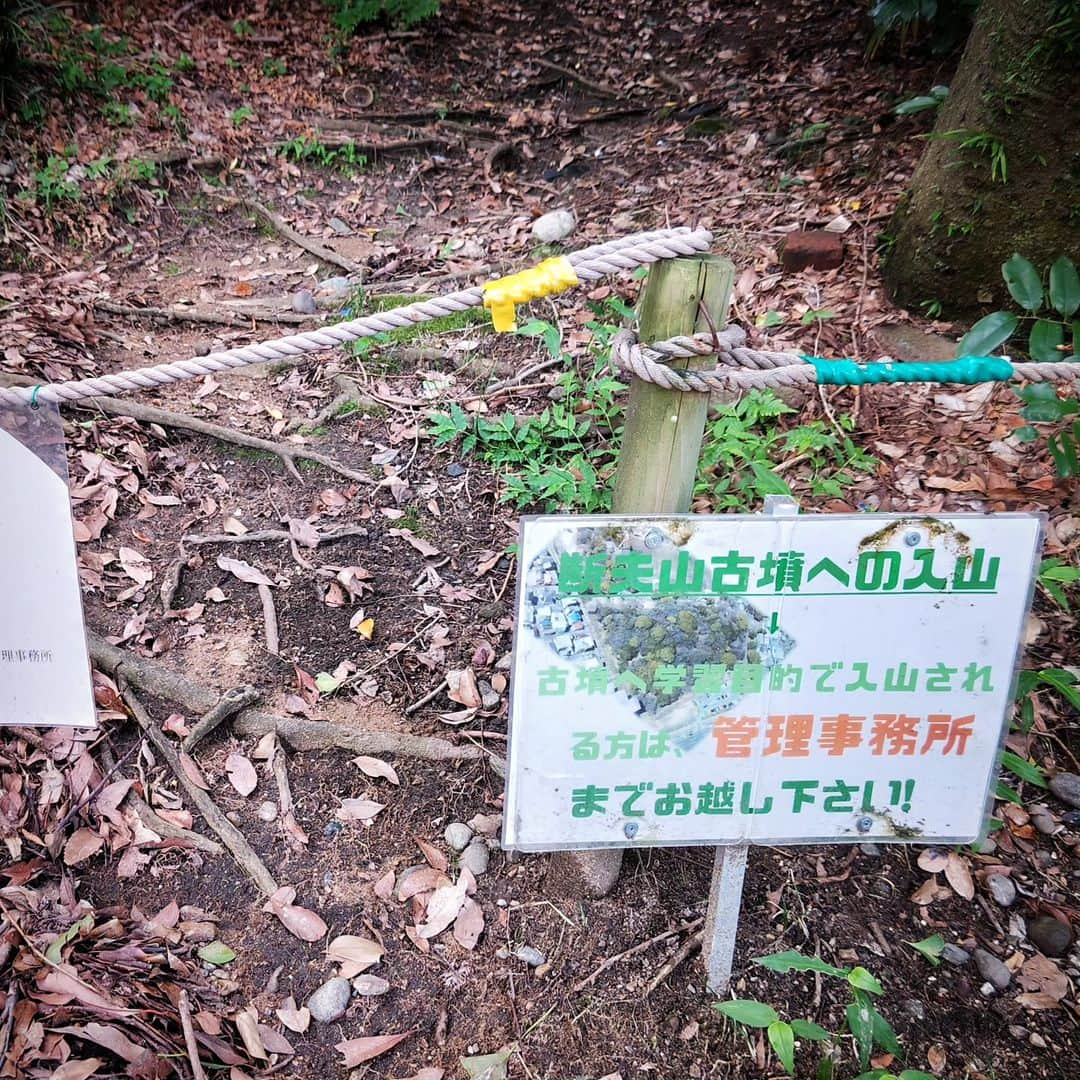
(811, 247)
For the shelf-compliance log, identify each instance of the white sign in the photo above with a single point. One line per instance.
(44, 669)
(734, 679)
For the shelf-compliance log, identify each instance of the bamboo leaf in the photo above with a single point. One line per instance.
(748, 1013)
(782, 1040)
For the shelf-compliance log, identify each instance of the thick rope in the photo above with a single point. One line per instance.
(746, 369)
(590, 264)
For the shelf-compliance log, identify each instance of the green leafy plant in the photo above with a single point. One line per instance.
(931, 947)
(868, 1028)
(241, 115)
(983, 144)
(1055, 576)
(348, 16)
(51, 183)
(345, 157)
(943, 24)
(273, 67)
(923, 102)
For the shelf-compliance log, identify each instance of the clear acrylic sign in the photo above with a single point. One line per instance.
(44, 669)
(734, 679)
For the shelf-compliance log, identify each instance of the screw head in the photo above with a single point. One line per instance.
(864, 824)
(913, 538)
(654, 538)
(630, 829)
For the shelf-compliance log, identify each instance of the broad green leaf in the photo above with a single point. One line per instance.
(987, 334)
(783, 962)
(861, 979)
(1063, 450)
(1044, 340)
(876, 1074)
(1064, 287)
(884, 1036)
(861, 1025)
(768, 483)
(917, 105)
(1005, 793)
(1023, 282)
(807, 1029)
(1064, 682)
(54, 953)
(915, 1074)
(825, 1068)
(748, 1013)
(782, 1040)
(1023, 768)
(217, 953)
(931, 947)
(326, 683)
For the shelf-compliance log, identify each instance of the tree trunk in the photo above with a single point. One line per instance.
(1001, 172)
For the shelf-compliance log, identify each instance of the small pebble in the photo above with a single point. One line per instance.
(502, 953)
(455, 469)
(992, 969)
(552, 227)
(340, 227)
(953, 954)
(332, 829)
(7, 169)
(873, 850)
(369, 985)
(1036, 1040)
(1049, 935)
(267, 811)
(303, 302)
(334, 286)
(489, 698)
(527, 954)
(458, 835)
(475, 858)
(1001, 889)
(1045, 824)
(1071, 818)
(202, 349)
(330, 1001)
(233, 816)
(542, 970)
(1066, 786)
(1018, 1031)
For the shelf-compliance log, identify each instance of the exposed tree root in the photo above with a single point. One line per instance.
(177, 314)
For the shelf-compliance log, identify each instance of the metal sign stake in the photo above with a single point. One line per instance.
(729, 868)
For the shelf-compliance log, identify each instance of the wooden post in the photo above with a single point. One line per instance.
(658, 458)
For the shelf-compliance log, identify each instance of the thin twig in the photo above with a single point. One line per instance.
(280, 225)
(231, 836)
(421, 702)
(600, 88)
(611, 961)
(184, 1008)
(688, 948)
(261, 535)
(295, 837)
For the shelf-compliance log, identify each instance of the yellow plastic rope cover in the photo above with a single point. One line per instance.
(544, 279)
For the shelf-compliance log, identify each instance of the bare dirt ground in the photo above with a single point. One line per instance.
(753, 119)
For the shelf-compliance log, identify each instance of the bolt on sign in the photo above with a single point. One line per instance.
(738, 679)
(44, 669)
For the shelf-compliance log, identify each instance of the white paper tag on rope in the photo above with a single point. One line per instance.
(44, 667)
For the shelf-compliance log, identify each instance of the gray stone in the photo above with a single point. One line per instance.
(873, 850)
(489, 697)
(334, 286)
(953, 954)
(1001, 889)
(992, 969)
(1036, 1040)
(1071, 818)
(7, 169)
(370, 985)
(457, 834)
(1050, 936)
(455, 469)
(554, 226)
(267, 811)
(573, 875)
(1045, 824)
(303, 302)
(475, 858)
(330, 1001)
(342, 228)
(533, 957)
(1018, 1031)
(1066, 786)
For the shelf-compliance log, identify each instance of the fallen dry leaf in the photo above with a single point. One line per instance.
(81, 845)
(247, 1023)
(294, 1019)
(357, 1051)
(357, 952)
(933, 860)
(384, 887)
(461, 687)
(469, 924)
(300, 921)
(958, 875)
(371, 766)
(433, 856)
(192, 771)
(1040, 973)
(77, 1070)
(936, 1058)
(244, 571)
(358, 810)
(241, 773)
(443, 907)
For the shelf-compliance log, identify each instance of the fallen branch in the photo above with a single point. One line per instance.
(262, 535)
(280, 225)
(177, 314)
(157, 679)
(229, 704)
(190, 1043)
(152, 820)
(230, 835)
(602, 89)
(295, 837)
(288, 455)
(270, 622)
(430, 696)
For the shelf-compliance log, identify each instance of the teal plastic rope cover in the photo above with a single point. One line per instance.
(967, 369)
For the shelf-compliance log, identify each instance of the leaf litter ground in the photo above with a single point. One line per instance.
(755, 121)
